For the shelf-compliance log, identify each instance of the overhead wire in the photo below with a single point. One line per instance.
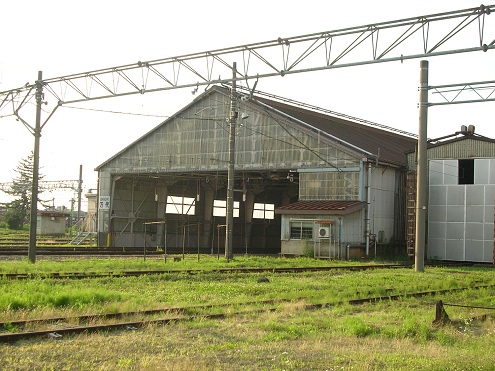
(116, 112)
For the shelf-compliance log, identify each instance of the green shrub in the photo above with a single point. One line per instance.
(13, 219)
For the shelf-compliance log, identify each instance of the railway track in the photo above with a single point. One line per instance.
(81, 275)
(81, 251)
(180, 314)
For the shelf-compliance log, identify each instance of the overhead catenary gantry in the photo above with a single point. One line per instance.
(48, 185)
(368, 44)
(346, 47)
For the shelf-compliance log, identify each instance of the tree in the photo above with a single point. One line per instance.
(14, 219)
(21, 188)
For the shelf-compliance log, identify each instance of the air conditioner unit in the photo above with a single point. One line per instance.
(324, 232)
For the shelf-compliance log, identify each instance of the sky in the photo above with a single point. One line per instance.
(59, 40)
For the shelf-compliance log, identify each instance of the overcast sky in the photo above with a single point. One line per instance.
(59, 40)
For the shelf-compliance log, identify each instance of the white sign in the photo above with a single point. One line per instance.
(104, 203)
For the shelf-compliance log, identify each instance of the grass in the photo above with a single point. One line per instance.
(393, 335)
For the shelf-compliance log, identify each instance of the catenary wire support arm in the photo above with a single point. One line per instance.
(471, 92)
(312, 52)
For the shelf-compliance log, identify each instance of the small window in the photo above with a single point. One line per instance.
(466, 171)
(181, 205)
(263, 211)
(300, 230)
(220, 208)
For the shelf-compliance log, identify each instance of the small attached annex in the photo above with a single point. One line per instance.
(304, 176)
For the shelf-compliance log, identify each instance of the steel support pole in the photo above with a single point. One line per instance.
(36, 161)
(422, 168)
(79, 192)
(230, 172)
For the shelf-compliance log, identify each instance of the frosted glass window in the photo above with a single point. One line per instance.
(488, 232)
(438, 195)
(264, 211)
(474, 250)
(436, 172)
(437, 213)
(455, 195)
(455, 231)
(454, 250)
(436, 248)
(220, 208)
(181, 205)
(492, 172)
(474, 231)
(436, 230)
(475, 214)
(489, 195)
(450, 172)
(475, 195)
(455, 213)
(488, 251)
(481, 171)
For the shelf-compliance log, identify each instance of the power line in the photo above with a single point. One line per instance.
(116, 112)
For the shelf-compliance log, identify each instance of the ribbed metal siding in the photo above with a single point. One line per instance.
(197, 140)
(467, 148)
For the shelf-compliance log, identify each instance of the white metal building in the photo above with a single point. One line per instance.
(461, 197)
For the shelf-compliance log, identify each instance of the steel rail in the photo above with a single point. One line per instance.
(148, 312)
(81, 275)
(133, 325)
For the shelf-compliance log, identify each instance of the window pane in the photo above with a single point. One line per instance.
(307, 232)
(258, 214)
(220, 203)
(180, 205)
(264, 211)
(220, 208)
(295, 231)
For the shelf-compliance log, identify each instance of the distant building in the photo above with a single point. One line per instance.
(51, 223)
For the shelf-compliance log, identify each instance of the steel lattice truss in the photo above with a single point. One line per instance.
(473, 92)
(423, 36)
(47, 185)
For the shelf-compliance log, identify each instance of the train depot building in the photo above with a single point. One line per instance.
(304, 178)
(306, 181)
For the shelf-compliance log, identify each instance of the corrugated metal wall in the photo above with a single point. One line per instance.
(197, 140)
(382, 204)
(466, 148)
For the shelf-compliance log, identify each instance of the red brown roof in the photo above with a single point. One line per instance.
(321, 207)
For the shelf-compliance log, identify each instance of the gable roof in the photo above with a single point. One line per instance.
(387, 145)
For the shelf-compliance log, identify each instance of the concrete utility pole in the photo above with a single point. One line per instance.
(36, 164)
(230, 173)
(421, 202)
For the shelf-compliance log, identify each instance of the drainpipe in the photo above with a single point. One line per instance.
(368, 198)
